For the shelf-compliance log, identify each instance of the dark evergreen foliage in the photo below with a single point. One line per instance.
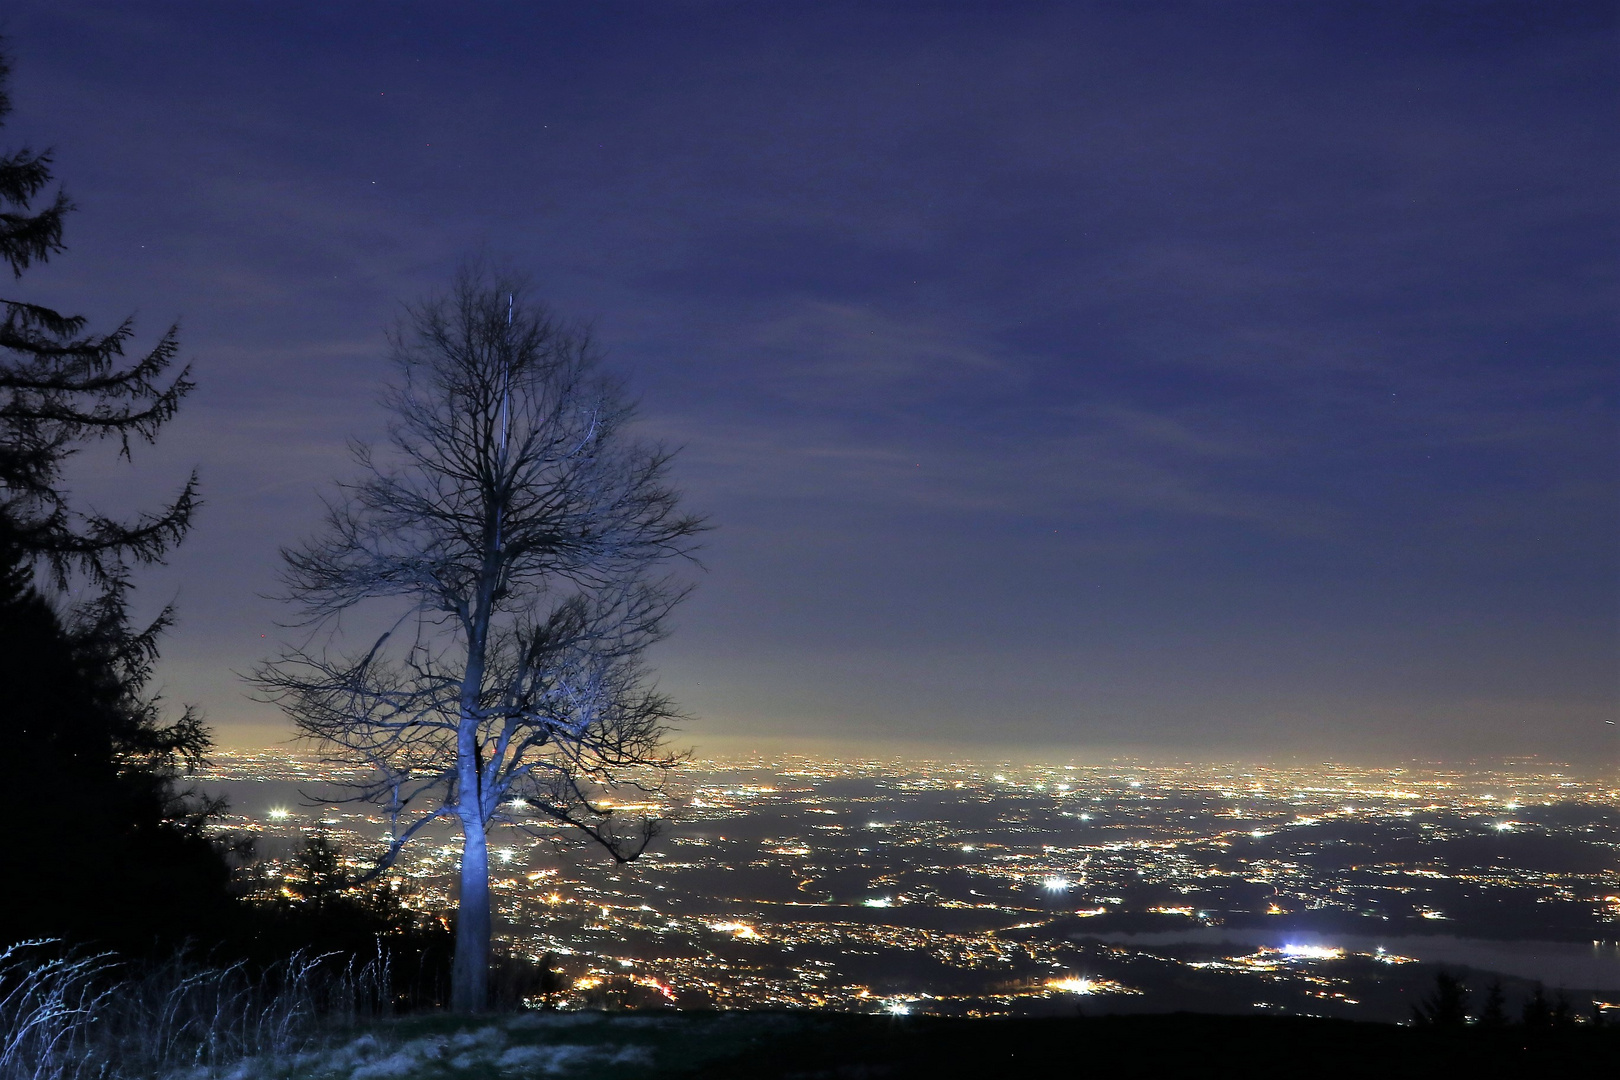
(1447, 1008)
(1563, 1012)
(26, 237)
(1494, 1016)
(1538, 1013)
(62, 388)
(109, 847)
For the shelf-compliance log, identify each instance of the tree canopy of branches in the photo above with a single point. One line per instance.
(520, 545)
(87, 749)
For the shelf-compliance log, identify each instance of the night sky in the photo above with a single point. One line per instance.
(1213, 379)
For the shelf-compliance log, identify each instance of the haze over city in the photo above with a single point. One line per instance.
(1198, 381)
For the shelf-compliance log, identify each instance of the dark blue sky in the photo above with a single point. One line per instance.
(1213, 377)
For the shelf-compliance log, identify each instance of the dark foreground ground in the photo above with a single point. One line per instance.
(1174, 1045)
(779, 1046)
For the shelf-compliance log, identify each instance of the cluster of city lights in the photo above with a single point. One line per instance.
(839, 887)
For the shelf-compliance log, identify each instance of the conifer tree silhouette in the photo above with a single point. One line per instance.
(88, 749)
(1447, 1008)
(1493, 1016)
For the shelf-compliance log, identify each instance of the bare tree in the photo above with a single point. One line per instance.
(520, 544)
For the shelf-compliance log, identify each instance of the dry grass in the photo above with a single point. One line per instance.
(69, 1015)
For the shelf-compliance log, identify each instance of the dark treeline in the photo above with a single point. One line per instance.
(1538, 1019)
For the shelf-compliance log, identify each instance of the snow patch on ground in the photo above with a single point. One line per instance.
(505, 1048)
(400, 1063)
(531, 1020)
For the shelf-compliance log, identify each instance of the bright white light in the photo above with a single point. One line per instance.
(1063, 787)
(278, 814)
(504, 854)
(898, 1009)
(736, 929)
(879, 901)
(1000, 778)
(1073, 985)
(967, 847)
(1136, 783)
(1258, 833)
(1085, 817)
(1056, 884)
(1313, 952)
(1504, 826)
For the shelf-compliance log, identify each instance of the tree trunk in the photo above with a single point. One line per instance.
(469, 977)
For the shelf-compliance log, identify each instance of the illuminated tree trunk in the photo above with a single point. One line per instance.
(469, 972)
(469, 977)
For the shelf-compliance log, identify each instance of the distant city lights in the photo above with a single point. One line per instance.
(810, 847)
